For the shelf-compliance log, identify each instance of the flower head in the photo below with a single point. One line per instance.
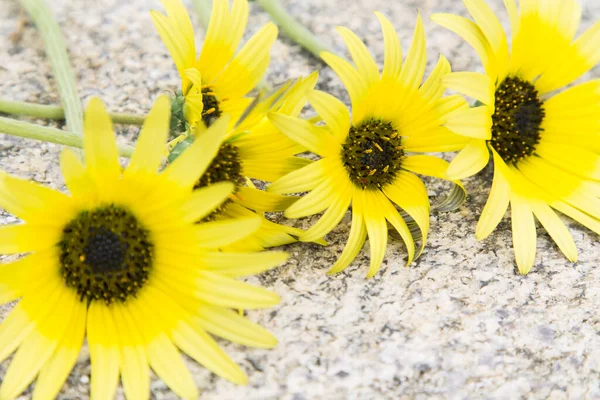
(218, 80)
(545, 146)
(370, 160)
(122, 259)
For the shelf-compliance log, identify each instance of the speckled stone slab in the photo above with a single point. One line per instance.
(459, 323)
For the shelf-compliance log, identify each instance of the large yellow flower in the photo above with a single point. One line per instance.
(369, 160)
(545, 146)
(123, 259)
(218, 80)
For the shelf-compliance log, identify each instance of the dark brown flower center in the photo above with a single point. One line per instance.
(517, 120)
(372, 154)
(105, 254)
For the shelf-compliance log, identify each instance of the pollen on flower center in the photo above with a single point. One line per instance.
(226, 166)
(517, 120)
(105, 254)
(211, 111)
(372, 154)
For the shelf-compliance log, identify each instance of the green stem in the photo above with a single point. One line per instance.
(47, 134)
(203, 8)
(294, 29)
(56, 50)
(57, 113)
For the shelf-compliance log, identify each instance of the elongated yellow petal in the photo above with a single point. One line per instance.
(496, 205)
(333, 111)
(205, 200)
(473, 35)
(392, 63)
(202, 348)
(99, 146)
(472, 159)
(432, 89)
(355, 84)
(104, 351)
(583, 218)
(240, 264)
(316, 201)
(148, 154)
(74, 174)
(472, 84)
(248, 67)
(356, 239)
(262, 201)
(271, 169)
(426, 165)
(332, 217)
(229, 325)
(416, 58)
(24, 238)
(513, 15)
(55, 371)
(376, 230)
(226, 292)
(221, 233)
(303, 179)
(361, 57)
(523, 232)
(316, 140)
(188, 167)
(473, 122)
(556, 228)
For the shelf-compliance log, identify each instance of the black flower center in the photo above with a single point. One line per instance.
(106, 254)
(517, 120)
(211, 111)
(226, 166)
(372, 154)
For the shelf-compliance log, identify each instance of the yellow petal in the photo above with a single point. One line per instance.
(432, 89)
(306, 134)
(556, 228)
(302, 180)
(149, 150)
(392, 63)
(376, 230)
(227, 292)
(74, 174)
(104, 351)
(416, 59)
(361, 57)
(99, 145)
(202, 348)
(24, 238)
(333, 111)
(472, 159)
(240, 264)
(56, 370)
(261, 201)
(473, 122)
(523, 232)
(221, 233)
(189, 166)
(358, 234)
(205, 200)
(426, 165)
(317, 200)
(472, 84)
(496, 205)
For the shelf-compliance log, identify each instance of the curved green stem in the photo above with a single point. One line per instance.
(57, 113)
(56, 50)
(47, 134)
(294, 29)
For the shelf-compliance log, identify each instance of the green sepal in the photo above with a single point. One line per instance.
(180, 148)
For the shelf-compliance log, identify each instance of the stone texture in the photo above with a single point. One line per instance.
(459, 323)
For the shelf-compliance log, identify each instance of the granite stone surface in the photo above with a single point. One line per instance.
(459, 323)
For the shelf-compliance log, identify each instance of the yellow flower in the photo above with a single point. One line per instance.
(370, 160)
(122, 259)
(219, 79)
(545, 146)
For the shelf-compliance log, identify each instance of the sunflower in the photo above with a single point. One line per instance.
(218, 80)
(370, 160)
(122, 259)
(545, 145)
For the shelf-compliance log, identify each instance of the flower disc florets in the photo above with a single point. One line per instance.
(372, 154)
(517, 120)
(105, 254)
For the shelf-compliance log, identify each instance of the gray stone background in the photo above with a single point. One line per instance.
(459, 323)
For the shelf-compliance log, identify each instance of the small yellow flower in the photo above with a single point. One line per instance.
(545, 146)
(369, 160)
(219, 79)
(122, 259)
